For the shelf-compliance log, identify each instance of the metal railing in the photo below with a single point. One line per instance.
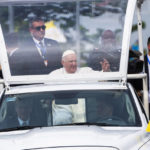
(142, 76)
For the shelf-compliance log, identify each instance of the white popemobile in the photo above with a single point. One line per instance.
(96, 110)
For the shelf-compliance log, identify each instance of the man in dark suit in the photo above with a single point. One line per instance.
(21, 115)
(24, 112)
(147, 60)
(36, 55)
(147, 68)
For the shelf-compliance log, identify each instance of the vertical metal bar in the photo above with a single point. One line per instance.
(78, 31)
(11, 18)
(126, 38)
(140, 36)
(145, 96)
(4, 58)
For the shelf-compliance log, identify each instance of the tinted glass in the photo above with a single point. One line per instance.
(93, 29)
(104, 108)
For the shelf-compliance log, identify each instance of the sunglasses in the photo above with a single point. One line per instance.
(40, 27)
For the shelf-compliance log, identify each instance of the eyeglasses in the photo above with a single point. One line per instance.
(40, 27)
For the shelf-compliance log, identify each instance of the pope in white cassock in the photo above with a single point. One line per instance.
(63, 114)
(69, 62)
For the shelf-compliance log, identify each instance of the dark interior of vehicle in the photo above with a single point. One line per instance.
(92, 107)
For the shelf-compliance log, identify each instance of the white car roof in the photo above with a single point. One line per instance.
(66, 87)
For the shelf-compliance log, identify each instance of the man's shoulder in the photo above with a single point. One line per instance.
(85, 70)
(145, 58)
(51, 41)
(57, 72)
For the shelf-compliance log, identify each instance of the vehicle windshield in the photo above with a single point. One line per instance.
(96, 107)
(91, 28)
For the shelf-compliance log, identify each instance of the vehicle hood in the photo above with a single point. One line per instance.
(74, 136)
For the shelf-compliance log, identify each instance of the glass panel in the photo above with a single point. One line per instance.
(103, 108)
(93, 29)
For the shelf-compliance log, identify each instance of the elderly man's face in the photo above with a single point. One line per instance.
(38, 30)
(70, 63)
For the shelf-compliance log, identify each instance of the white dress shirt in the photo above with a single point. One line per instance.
(21, 122)
(37, 45)
(39, 50)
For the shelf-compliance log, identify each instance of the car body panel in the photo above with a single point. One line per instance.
(90, 136)
(75, 136)
(97, 137)
(65, 87)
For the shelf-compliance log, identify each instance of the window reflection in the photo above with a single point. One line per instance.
(69, 107)
(87, 27)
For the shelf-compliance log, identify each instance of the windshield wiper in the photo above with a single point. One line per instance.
(97, 124)
(20, 128)
(89, 124)
(72, 124)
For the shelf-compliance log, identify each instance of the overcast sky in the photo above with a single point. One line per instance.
(145, 14)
